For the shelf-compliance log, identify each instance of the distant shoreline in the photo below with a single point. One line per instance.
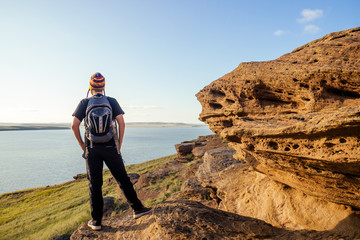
(24, 127)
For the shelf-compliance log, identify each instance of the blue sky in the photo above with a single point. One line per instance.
(155, 54)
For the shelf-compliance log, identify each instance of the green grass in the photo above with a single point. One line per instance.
(169, 186)
(42, 213)
(149, 166)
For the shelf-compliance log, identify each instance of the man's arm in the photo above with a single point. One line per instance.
(76, 129)
(121, 122)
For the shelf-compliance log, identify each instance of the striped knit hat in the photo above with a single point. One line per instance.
(97, 81)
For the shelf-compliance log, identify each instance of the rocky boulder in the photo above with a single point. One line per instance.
(296, 119)
(188, 150)
(215, 161)
(184, 148)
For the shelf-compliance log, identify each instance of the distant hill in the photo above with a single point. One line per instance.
(33, 126)
(55, 126)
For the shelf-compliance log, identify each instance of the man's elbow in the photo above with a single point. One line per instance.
(73, 127)
(120, 120)
(75, 124)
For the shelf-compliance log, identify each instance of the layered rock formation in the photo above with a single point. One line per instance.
(295, 120)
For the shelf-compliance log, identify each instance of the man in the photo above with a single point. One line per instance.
(101, 145)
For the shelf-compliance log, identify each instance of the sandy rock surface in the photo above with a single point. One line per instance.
(191, 220)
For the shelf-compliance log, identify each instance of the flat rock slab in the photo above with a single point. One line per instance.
(191, 220)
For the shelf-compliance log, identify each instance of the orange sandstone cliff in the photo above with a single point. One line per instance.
(296, 121)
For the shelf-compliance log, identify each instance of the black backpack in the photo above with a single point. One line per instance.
(99, 120)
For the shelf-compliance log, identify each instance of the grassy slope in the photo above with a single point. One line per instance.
(42, 213)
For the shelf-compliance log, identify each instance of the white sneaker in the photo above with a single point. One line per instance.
(93, 226)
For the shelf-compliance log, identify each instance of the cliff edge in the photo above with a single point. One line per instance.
(289, 167)
(212, 182)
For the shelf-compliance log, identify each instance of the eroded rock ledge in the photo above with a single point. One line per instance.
(296, 119)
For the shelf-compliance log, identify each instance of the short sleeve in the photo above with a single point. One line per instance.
(117, 110)
(81, 109)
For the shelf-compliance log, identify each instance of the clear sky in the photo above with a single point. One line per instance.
(155, 54)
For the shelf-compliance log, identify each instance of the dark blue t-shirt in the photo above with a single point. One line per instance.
(80, 111)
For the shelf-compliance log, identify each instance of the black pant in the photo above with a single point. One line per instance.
(94, 166)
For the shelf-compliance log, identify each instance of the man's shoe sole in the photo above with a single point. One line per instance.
(142, 214)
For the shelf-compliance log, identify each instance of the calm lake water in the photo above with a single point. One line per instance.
(46, 157)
